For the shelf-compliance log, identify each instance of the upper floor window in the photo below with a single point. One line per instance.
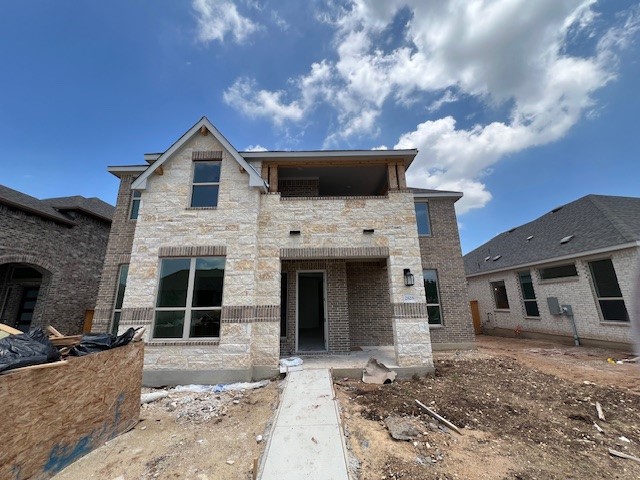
(528, 294)
(561, 271)
(609, 296)
(422, 218)
(500, 295)
(189, 301)
(117, 308)
(206, 183)
(432, 290)
(135, 204)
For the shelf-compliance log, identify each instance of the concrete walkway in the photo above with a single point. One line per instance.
(306, 441)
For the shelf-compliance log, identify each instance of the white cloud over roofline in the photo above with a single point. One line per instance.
(218, 19)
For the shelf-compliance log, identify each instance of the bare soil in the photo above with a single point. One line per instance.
(199, 436)
(526, 410)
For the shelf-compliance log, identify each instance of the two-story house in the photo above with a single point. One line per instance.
(232, 259)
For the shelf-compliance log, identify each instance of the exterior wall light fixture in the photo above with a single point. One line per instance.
(408, 278)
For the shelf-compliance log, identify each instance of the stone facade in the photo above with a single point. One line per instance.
(362, 244)
(575, 291)
(441, 251)
(69, 257)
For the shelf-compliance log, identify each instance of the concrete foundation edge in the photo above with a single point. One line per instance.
(171, 378)
(403, 372)
(562, 339)
(442, 347)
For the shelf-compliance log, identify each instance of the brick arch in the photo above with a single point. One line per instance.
(27, 258)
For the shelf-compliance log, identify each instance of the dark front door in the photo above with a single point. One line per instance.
(27, 307)
(311, 314)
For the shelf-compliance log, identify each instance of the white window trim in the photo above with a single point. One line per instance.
(186, 326)
(203, 184)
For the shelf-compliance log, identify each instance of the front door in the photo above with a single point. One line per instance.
(312, 326)
(27, 307)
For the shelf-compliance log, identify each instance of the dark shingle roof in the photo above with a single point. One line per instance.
(52, 208)
(92, 206)
(595, 221)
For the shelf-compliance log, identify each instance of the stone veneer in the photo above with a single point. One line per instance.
(575, 291)
(252, 230)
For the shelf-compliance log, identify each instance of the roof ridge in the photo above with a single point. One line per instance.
(612, 217)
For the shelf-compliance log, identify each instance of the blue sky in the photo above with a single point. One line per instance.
(521, 105)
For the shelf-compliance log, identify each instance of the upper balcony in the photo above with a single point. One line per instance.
(333, 174)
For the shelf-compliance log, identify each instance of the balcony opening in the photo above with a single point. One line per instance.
(361, 180)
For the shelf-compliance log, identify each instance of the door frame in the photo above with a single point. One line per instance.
(324, 300)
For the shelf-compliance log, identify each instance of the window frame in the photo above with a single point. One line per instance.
(428, 215)
(118, 309)
(522, 292)
(188, 308)
(284, 295)
(599, 299)
(204, 184)
(493, 292)
(439, 304)
(136, 197)
(541, 271)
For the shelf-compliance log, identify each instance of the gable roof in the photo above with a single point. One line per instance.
(92, 206)
(51, 208)
(255, 180)
(594, 223)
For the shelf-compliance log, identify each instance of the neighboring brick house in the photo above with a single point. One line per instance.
(232, 259)
(51, 257)
(584, 253)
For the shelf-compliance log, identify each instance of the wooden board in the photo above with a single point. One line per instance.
(53, 416)
(10, 330)
(475, 316)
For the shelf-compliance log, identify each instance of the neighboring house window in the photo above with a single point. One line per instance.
(206, 182)
(135, 204)
(500, 295)
(432, 290)
(608, 292)
(422, 218)
(189, 301)
(561, 271)
(283, 304)
(122, 285)
(528, 294)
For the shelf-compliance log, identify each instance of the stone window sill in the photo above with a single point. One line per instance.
(183, 343)
(201, 208)
(502, 310)
(535, 319)
(559, 280)
(435, 326)
(610, 323)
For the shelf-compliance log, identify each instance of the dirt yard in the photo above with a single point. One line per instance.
(199, 436)
(526, 410)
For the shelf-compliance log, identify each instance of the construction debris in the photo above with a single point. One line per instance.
(438, 417)
(221, 387)
(153, 396)
(377, 373)
(291, 364)
(600, 412)
(598, 427)
(616, 453)
(403, 428)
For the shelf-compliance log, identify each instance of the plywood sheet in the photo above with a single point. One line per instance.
(53, 416)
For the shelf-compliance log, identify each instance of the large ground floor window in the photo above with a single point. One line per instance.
(432, 291)
(608, 293)
(189, 300)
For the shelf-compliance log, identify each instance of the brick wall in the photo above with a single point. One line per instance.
(118, 252)
(368, 299)
(70, 258)
(299, 187)
(575, 291)
(441, 251)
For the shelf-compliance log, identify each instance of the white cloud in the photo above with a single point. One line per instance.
(220, 18)
(256, 148)
(497, 52)
(381, 147)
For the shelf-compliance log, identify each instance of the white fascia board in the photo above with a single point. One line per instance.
(340, 155)
(254, 178)
(151, 157)
(572, 256)
(118, 170)
(457, 195)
